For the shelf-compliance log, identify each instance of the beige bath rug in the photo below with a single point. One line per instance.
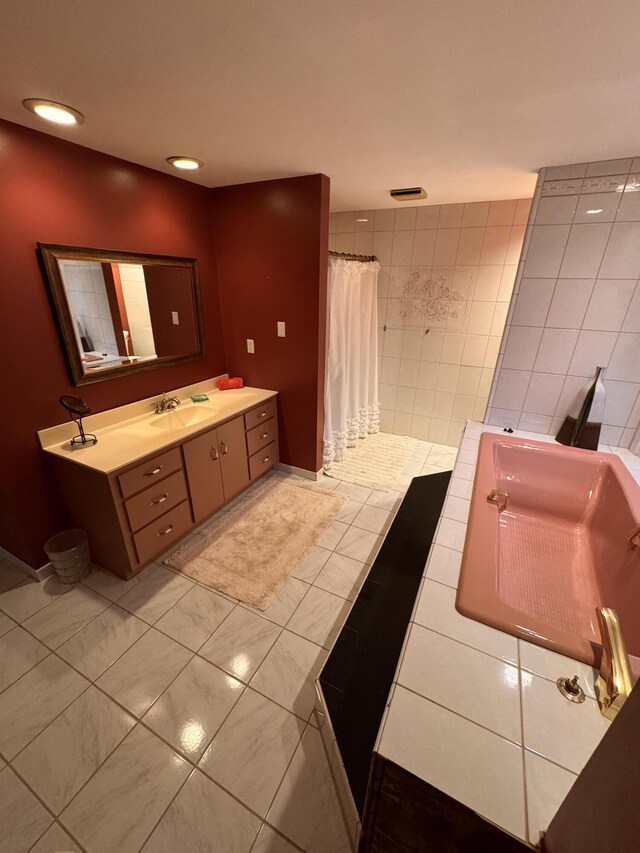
(377, 461)
(252, 550)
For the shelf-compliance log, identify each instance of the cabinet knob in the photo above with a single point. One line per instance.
(165, 531)
(266, 459)
(262, 415)
(225, 449)
(155, 471)
(214, 453)
(264, 435)
(160, 500)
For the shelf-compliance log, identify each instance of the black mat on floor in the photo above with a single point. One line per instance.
(359, 671)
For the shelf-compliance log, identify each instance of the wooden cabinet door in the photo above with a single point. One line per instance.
(233, 457)
(204, 473)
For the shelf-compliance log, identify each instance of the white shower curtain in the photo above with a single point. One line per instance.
(351, 409)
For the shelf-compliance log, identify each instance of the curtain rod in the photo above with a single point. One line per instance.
(348, 256)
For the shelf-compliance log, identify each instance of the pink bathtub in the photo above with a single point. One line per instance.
(563, 545)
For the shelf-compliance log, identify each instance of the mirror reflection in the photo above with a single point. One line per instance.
(123, 312)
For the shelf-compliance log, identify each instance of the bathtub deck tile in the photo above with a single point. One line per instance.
(547, 786)
(564, 732)
(551, 665)
(471, 683)
(444, 565)
(437, 610)
(409, 740)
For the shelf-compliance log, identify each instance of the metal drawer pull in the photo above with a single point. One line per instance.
(262, 415)
(264, 435)
(266, 459)
(160, 500)
(214, 453)
(225, 449)
(155, 471)
(165, 531)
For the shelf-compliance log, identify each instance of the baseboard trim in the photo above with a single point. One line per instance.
(39, 574)
(299, 472)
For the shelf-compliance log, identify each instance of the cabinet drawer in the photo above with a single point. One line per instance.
(261, 436)
(149, 472)
(260, 414)
(157, 536)
(263, 460)
(156, 500)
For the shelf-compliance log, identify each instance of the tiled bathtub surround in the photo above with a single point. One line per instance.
(465, 689)
(576, 302)
(449, 269)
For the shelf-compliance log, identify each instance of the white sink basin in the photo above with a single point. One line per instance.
(181, 418)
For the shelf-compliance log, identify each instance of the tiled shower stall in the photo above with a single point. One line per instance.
(446, 279)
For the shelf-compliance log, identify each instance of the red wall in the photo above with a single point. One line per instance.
(56, 192)
(271, 242)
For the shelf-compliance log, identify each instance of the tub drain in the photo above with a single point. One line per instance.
(570, 689)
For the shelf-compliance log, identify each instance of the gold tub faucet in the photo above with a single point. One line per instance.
(614, 683)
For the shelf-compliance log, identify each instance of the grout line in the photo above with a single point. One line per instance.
(33, 666)
(278, 833)
(53, 719)
(552, 761)
(524, 766)
(459, 715)
(10, 769)
(57, 823)
(196, 768)
(455, 639)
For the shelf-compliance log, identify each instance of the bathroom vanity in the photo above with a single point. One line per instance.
(152, 478)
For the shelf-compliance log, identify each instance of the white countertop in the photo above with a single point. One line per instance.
(134, 431)
(475, 711)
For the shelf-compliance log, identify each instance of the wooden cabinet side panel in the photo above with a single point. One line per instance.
(233, 457)
(91, 505)
(204, 474)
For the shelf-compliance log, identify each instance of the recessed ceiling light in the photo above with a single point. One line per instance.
(188, 163)
(52, 111)
(596, 210)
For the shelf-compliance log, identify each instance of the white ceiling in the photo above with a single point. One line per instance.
(467, 98)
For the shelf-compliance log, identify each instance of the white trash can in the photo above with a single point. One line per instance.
(69, 555)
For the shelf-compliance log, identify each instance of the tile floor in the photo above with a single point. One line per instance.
(158, 714)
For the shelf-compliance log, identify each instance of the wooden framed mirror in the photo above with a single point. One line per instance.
(122, 312)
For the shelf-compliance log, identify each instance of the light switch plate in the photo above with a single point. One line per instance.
(281, 330)
(174, 318)
(250, 345)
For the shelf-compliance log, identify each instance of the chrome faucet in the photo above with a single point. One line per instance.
(165, 404)
(615, 682)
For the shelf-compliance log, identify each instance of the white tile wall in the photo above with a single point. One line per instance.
(137, 305)
(444, 287)
(87, 295)
(576, 302)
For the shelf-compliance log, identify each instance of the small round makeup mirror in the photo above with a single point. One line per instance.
(75, 405)
(77, 408)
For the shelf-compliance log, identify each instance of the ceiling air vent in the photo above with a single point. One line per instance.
(408, 194)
